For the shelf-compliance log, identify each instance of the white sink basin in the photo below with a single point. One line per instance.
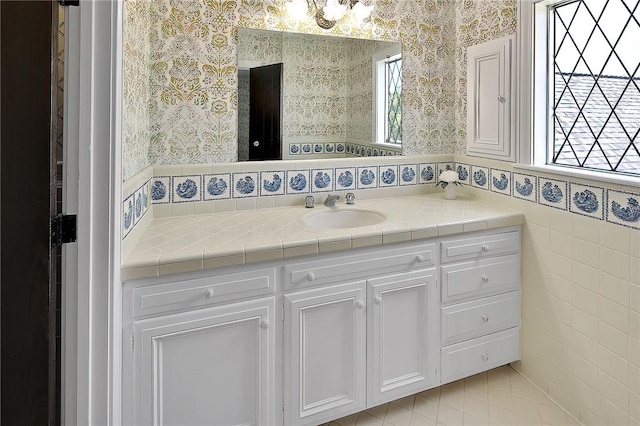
(344, 219)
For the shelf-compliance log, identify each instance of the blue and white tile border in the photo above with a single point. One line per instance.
(272, 183)
(217, 186)
(345, 178)
(135, 206)
(525, 187)
(340, 149)
(598, 202)
(623, 208)
(322, 180)
(427, 173)
(480, 177)
(408, 174)
(586, 200)
(500, 181)
(161, 190)
(186, 189)
(388, 176)
(552, 193)
(297, 181)
(464, 173)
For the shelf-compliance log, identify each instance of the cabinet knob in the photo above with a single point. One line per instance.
(256, 143)
(311, 276)
(485, 279)
(265, 324)
(502, 99)
(485, 248)
(419, 258)
(485, 318)
(485, 357)
(377, 300)
(209, 293)
(359, 304)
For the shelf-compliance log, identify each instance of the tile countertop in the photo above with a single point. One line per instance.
(191, 243)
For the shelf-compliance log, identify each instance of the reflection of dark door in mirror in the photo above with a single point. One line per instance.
(265, 130)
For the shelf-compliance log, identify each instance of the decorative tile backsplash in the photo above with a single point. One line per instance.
(135, 206)
(614, 206)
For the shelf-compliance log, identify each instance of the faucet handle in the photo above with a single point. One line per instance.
(351, 198)
(308, 201)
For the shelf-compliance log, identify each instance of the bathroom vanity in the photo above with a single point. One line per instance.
(312, 338)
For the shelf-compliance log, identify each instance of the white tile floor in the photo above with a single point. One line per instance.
(497, 397)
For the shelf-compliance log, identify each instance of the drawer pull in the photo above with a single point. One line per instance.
(359, 304)
(485, 318)
(377, 300)
(419, 258)
(485, 248)
(485, 279)
(485, 357)
(209, 293)
(265, 324)
(311, 276)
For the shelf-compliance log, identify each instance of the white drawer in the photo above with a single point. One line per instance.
(480, 247)
(479, 317)
(480, 277)
(202, 292)
(480, 354)
(339, 268)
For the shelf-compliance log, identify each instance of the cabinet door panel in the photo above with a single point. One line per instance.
(324, 353)
(402, 346)
(209, 367)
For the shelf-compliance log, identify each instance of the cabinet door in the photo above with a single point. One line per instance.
(402, 348)
(490, 95)
(212, 366)
(324, 353)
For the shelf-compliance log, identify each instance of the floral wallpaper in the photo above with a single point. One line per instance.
(477, 21)
(181, 96)
(192, 65)
(135, 91)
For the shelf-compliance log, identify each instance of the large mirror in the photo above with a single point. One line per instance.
(306, 96)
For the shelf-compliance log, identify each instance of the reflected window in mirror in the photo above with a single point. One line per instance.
(387, 108)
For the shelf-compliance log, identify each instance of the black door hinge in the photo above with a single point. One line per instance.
(63, 230)
(69, 2)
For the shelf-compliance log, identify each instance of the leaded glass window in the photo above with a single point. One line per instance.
(393, 108)
(594, 61)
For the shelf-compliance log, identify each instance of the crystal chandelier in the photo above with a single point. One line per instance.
(332, 12)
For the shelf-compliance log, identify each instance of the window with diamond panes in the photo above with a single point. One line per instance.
(393, 109)
(595, 56)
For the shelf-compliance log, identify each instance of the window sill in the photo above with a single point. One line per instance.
(393, 146)
(583, 174)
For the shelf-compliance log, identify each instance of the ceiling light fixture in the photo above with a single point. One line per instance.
(333, 11)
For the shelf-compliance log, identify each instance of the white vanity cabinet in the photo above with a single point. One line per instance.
(402, 342)
(190, 360)
(351, 344)
(480, 309)
(353, 330)
(324, 353)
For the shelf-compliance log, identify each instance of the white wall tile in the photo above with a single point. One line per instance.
(614, 340)
(585, 324)
(614, 391)
(585, 300)
(615, 288)
(614, 366)
(615, 314)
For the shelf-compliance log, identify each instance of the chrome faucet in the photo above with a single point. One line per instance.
(351, 198)
(308, 201)
(331, 200)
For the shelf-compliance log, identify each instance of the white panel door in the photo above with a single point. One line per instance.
(490, 99)
(208, 367)
(324, 353)
(402, 346)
